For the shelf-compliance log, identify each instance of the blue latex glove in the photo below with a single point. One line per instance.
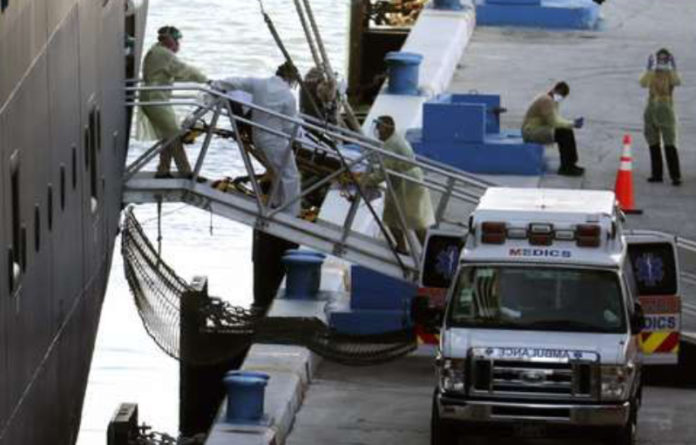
(651, 62)
(579, 122)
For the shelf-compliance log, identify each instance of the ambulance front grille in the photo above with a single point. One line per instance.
(532, 380)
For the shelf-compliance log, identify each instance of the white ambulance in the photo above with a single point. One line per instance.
(542, 329)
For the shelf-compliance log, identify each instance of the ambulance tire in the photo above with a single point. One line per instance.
(441, 432)
(626, 435)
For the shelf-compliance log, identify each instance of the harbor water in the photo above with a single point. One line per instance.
(223, 38)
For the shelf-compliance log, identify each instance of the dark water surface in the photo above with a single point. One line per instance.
(223, 38)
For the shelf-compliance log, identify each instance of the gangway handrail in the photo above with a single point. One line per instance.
(327, 130)
(328, 138)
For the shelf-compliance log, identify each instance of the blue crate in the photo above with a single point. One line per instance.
(463, 130)
(373, 290)
(366, 322)
(545, 14)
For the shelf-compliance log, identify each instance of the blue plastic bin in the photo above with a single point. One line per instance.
(403, 72)
(245, 395)
(303, 274)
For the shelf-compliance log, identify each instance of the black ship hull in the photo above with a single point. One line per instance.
(63, 142)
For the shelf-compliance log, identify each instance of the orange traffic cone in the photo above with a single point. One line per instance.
(624, 179)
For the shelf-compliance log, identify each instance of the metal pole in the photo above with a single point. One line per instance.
(308, 35)
(206, 142)
(352, 121)
(247, 163)
(444, 200)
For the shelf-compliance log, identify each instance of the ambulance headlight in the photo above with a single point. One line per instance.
(451, 374)
(616, 381)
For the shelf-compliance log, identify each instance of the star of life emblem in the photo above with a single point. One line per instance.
(650, 269)
(446, 262)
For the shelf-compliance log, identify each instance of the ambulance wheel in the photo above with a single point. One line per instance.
(626, 435)
(441, 431)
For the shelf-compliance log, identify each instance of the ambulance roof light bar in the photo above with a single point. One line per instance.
(588, 235)
(493, 232)
(541, 234)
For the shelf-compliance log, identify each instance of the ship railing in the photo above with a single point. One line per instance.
(455, 190)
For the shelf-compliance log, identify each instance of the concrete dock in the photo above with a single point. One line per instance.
(602, 69)
(391, 403)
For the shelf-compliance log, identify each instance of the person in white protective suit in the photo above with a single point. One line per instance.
(274, 93)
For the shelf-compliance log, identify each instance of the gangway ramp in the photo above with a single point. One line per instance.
(213, 115)
(321, 235)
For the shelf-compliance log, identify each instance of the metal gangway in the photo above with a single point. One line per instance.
(214, 113)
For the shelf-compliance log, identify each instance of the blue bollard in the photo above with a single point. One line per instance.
(403, 72)
(245, 394)
(448, 4)
(312, 253)
(315, 279)
(257, 374)
(303, 274)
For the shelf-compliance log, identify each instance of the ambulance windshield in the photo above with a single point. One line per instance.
(537, 298)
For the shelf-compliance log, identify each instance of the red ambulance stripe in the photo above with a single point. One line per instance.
(671, 342)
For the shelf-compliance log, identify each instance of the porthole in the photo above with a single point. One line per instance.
(87, 145)
(37, 228)
(23, 248)
(62, 188)
(10, 270)
(74, 167)
(49, 204)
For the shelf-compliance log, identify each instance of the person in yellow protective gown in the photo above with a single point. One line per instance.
(162, 67)
(659, 118)
(543, 124)
(412, 198)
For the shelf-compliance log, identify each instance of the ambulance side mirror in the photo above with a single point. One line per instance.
(637, 319)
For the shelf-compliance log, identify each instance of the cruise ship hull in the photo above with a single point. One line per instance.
(63, 142)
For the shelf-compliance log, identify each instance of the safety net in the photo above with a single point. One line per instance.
(158, 291)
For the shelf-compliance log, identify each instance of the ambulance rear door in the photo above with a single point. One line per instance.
(654, 259)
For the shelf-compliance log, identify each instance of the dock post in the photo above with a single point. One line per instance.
(267, 254)
(123, 427)
(205, 355)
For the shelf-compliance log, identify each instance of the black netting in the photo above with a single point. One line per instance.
(158, 291)
(156, 288)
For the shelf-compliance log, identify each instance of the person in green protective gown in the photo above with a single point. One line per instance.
(659, 118)
(413, 199)
(162, 67)
(543, 124)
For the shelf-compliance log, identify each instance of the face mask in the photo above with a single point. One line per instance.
(662, 66)
(558, 98)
